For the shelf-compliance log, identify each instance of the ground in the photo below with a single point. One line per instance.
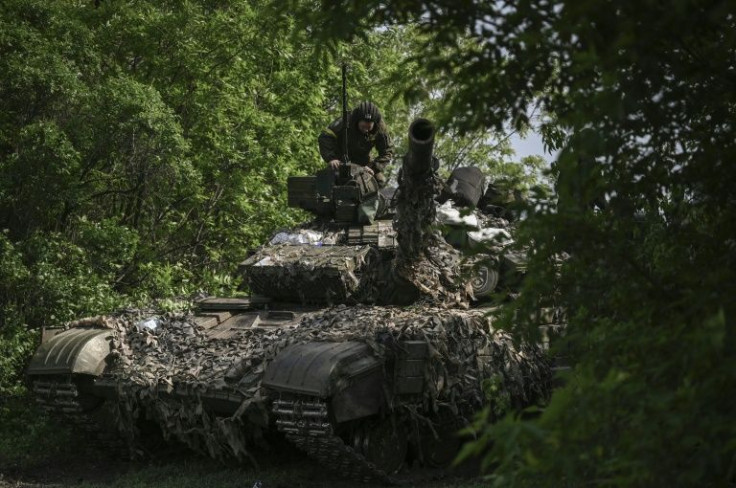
(190, 470)
(36, 452)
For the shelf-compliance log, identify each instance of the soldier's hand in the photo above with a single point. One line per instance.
(368, 170)
(335, 164)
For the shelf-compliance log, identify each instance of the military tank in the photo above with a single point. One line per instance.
(361, 342)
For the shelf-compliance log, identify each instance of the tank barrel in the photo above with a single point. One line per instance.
(425, 265)
(421, 145)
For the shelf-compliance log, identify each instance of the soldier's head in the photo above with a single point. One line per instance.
(367, 117)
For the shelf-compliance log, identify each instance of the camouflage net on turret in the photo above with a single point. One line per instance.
(165, 373)
(424, 260)
(310, 274)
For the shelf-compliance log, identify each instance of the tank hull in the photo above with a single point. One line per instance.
(220, 379)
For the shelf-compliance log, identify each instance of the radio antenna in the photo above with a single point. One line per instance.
(345, 158)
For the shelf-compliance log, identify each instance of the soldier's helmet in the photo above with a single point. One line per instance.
(367, 111)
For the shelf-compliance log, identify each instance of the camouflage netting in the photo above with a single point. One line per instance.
(424, 260)
(179, 357)
(309, 274)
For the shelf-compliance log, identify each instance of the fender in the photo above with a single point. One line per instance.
(75, 351)
(345, 372)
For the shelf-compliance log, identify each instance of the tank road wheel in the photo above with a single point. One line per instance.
(484, 281)
(383, 442)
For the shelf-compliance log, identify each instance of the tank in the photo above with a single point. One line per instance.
(361, 343)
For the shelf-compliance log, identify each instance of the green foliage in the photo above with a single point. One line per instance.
(143, 149)
(27, 437)
(16, 342)
(642, 100)
(498, 398)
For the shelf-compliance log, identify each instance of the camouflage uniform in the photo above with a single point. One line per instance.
(359, 144)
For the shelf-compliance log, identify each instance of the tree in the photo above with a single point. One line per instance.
(643, 97)
(143, 149)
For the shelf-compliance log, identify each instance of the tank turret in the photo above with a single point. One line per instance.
(397, 259)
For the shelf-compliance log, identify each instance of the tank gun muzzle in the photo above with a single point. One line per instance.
(420, 160)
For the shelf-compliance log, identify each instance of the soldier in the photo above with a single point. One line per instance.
(366, 130)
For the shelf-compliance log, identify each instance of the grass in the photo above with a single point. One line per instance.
(27, 435)
(207, 474)
(36, 451)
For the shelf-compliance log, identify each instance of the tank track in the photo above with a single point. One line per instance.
(306, 424)
(60, 398)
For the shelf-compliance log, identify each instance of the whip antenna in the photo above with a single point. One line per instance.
(345, 158)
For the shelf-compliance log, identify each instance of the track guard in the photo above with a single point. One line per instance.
(346, 372)
(75, 351)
